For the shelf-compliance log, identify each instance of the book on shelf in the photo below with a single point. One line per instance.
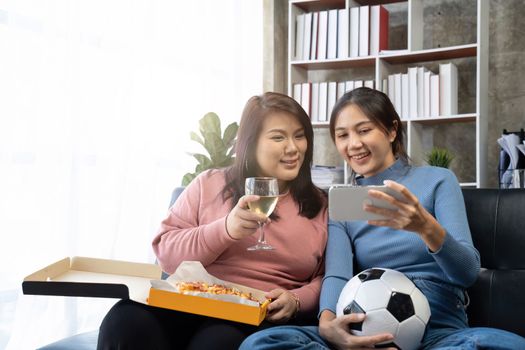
(331, 49)
(378, 29)
(322, 35)
(393, 52)
(397, 95)
(340, 89)
(384, 86)
(332, 98)
(314, 103)
(323, 101)
(319, 97)
(434, 95)
(448, 89)
(412, 92)
(342, 33)
(354, 32)
(364, 30)
(421, 91)
(349, 85)
(297, 93)
(299, 36)
(426, 93)
(313, 46)
(404, 96)
(391, 89)
(307, 38)
(305, 96)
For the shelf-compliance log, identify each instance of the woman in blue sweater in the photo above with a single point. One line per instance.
(427, 238)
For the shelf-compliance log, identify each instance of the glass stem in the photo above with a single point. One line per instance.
(261, 236)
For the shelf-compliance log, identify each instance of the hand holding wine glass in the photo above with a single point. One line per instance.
(267, 189)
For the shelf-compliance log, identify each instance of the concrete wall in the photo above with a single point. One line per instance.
(506, 73)
(447, 22)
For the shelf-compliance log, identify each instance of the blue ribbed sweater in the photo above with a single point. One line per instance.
(456, 262)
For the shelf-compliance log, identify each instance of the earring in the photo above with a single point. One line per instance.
(246, 164)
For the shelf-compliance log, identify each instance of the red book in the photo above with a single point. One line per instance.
(378, 29)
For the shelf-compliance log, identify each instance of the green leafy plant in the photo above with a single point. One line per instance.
(440, 157)
(220, 147)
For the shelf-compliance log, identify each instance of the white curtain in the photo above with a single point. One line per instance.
(97, 99)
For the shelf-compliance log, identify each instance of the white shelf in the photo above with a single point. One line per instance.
(378, 67)
(405, 57)
(468, 184)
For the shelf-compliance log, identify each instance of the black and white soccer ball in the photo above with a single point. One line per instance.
(392, 304)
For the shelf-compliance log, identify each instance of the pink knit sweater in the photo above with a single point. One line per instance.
(195, 230)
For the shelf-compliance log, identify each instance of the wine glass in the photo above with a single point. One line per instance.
(268, 191)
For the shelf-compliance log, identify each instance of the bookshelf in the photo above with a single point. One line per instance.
(465, 132)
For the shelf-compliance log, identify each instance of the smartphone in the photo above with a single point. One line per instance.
(345, 202)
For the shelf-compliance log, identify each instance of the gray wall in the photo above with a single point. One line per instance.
(447, 22)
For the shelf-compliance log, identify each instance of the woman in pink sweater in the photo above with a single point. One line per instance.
(211, 223)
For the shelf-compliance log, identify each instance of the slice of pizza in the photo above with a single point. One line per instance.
(186, 287)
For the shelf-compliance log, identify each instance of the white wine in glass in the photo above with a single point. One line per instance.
(267, 189)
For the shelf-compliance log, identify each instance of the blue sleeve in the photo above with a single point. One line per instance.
(457, 257)
(338, 265)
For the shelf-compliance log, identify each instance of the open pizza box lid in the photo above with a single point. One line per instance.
(91, 277)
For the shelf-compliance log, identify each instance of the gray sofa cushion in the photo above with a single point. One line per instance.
(82, 341)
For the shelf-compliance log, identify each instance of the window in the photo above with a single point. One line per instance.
(97, 100)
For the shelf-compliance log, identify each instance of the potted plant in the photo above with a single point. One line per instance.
(220, 147)
(440, 157)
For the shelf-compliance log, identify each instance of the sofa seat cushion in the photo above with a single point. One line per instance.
(82, 341)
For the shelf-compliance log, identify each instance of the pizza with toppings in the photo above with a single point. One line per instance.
(185, 287)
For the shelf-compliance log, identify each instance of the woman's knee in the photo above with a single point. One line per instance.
(218, 334)
(478, 338)
(129, 324)
(126, 313)
(493, 338)
(289, 337)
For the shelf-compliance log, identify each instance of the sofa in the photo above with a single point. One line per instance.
(497, 223)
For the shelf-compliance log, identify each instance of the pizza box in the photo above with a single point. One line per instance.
(199, 305)
(91, 277)
(163, 293)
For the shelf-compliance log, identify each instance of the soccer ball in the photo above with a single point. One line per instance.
(392, 304)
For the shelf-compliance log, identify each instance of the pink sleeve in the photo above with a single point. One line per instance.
(184, 235)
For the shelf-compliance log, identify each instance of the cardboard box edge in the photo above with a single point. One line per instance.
(38, 283)
(207, 307)
(51, 270)
(116, 267)
(76, 289)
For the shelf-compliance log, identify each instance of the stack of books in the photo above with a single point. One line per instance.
(422, 93)
(326, 176)
(341, 33)
(318, 98)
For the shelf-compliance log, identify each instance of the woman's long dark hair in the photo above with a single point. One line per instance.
(304, 192)
(379, 109)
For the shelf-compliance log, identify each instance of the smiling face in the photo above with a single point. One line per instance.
(364, 145)
(281, 147)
